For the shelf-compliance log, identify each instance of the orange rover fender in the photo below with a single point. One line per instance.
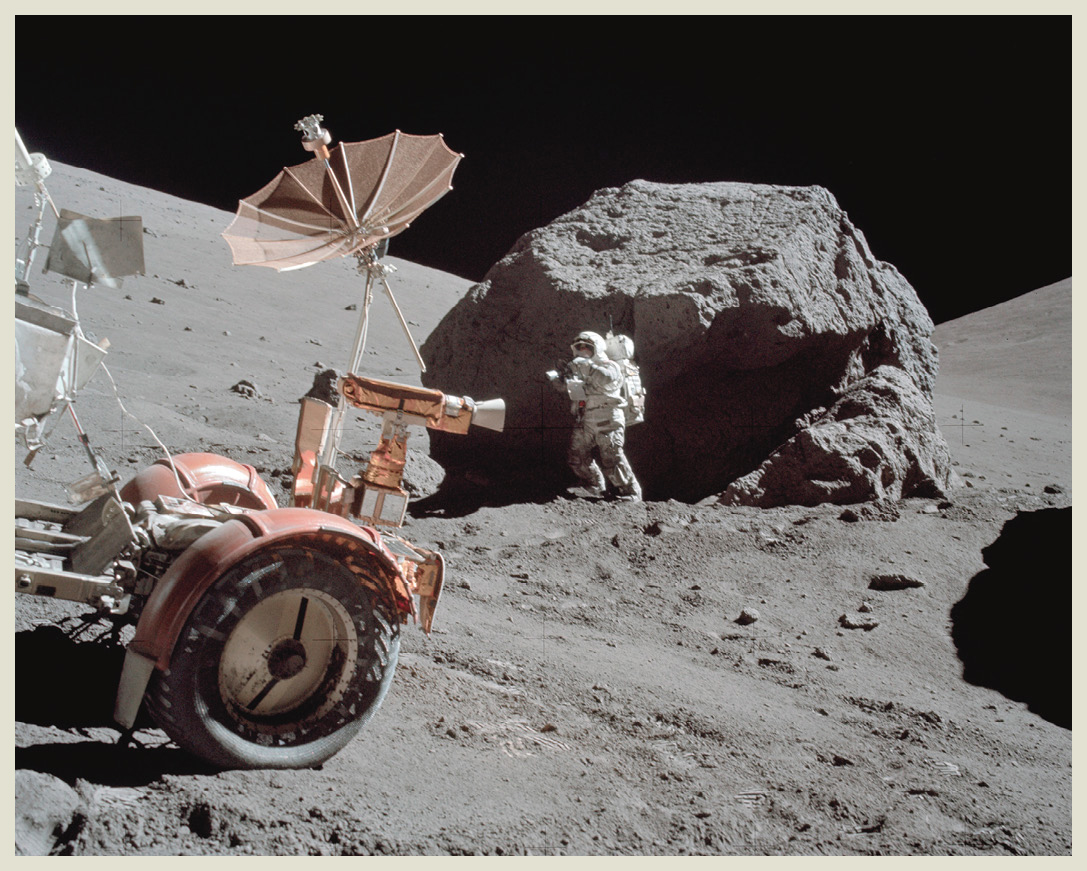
(209, 478)
(185, 582)
(178, 591)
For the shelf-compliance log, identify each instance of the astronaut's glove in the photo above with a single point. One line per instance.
(553, 375)
(581, 366)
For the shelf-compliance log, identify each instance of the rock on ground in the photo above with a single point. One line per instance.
(775, 348)
(46, 809)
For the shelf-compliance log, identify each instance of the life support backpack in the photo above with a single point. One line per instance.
(620, 349)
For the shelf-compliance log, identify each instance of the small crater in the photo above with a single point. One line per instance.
(201, 820)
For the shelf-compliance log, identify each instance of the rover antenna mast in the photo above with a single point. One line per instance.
(31, 169)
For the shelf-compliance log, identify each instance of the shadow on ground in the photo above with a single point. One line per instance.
(63, 682)
(108, 764)
(69, 684)
(463, 493)
(1013, 628)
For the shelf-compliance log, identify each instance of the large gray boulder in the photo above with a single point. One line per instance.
(784, 363)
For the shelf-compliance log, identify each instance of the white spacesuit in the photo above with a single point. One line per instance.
(593, 382)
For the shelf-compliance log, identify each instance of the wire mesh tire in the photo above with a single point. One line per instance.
(281, 662)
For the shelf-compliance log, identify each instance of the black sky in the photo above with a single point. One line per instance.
(946, 139)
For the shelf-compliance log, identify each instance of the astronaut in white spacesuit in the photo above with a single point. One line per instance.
(593, 382)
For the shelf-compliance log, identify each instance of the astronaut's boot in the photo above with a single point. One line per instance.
(584, 491)
(592, 487)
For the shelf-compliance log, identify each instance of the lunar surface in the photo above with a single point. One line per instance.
(603, 678)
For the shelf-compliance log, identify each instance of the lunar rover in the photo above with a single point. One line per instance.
(256, 636)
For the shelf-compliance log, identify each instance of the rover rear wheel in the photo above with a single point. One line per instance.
(280, 664)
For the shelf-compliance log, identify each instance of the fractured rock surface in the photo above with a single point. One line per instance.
(45, 810)
(784, 363)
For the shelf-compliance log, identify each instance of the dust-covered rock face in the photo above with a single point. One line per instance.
(783, 362)
(877, 442)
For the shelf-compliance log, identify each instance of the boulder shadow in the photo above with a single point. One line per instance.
(463, 493)
(1013, 628)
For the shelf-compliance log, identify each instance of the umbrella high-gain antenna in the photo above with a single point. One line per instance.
(368, 262)
(349, 199)
(316, 139)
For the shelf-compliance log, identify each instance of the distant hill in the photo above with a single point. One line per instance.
(1016, 354)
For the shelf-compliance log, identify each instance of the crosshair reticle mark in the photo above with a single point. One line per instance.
(961, 424)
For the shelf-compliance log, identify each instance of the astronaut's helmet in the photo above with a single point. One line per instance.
(593, 340)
